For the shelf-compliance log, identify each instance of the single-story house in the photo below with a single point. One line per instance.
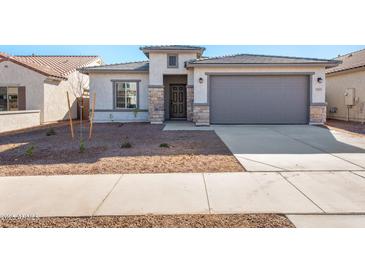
(179, 83)
(34, 88)
(346, 88)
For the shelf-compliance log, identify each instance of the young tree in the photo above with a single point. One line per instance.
(78, 83)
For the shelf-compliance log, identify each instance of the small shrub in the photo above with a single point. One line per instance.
(29, 151)
(82, 146)
(126, 144)
(50, 132)
(164, 145)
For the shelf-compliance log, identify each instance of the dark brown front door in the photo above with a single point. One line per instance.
(178, 101)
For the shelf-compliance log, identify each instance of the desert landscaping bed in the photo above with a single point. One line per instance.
(156, 221)
(353, 127)
(114, 148)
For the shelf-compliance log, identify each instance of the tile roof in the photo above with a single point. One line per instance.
(349, 61)
(147, 49)
(51, 65)
(3, 55)
(172, 47)
(142, 66)
(261, 59)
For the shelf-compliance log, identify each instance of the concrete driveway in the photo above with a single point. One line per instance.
(293, 148)
(289, 147)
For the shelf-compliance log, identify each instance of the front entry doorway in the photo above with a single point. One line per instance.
(177, 101)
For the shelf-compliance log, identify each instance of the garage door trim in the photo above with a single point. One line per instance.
(308, 74)
(258, 73)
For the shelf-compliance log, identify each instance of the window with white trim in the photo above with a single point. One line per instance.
(126, 95)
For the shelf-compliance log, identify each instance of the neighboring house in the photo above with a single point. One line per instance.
(39, 83)
(346, 88)
(178, 83)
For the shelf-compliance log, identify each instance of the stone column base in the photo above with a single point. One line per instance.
(201, 115)
(317, 114)
(189, 103)
(156, 105)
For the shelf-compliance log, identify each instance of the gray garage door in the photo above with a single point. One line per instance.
(259, 99)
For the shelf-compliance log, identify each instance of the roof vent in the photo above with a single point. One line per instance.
(350, 55)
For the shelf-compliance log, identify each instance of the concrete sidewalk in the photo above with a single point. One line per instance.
(328, 221)
(248, 192)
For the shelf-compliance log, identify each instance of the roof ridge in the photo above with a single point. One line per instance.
(356, 51)
(123, 63)
(77, 67)
(219, 56)
(348, 63)
(262, 55)
(188, 46)
(4, 54)
(48, 55)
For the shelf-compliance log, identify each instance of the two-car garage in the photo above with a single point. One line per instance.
(259, 99)
(259, 89)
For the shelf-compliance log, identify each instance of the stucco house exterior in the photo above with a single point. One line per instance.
(179, 83)
(33, 88)
(346, 88)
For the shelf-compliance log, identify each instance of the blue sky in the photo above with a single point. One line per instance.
(116, 54)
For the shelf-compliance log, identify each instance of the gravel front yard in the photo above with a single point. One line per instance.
(32, 152)
(355, 127)
(157, 221)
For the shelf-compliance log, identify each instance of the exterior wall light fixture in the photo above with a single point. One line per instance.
(201, 80)
(320, 80)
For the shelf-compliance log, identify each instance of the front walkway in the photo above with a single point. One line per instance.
(289, 193)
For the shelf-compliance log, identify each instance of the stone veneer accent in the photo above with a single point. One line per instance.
(317, 114)
(201, 115)
(156, 106)
(189, 103)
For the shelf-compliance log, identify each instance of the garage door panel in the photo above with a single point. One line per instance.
(259, 99)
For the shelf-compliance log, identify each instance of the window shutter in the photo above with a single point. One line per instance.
(21, 98)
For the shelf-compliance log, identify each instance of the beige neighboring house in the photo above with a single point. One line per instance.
(346, 88)
(179, 83)
(33, 88)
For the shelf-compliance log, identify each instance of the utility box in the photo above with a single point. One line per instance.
(350, 97)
